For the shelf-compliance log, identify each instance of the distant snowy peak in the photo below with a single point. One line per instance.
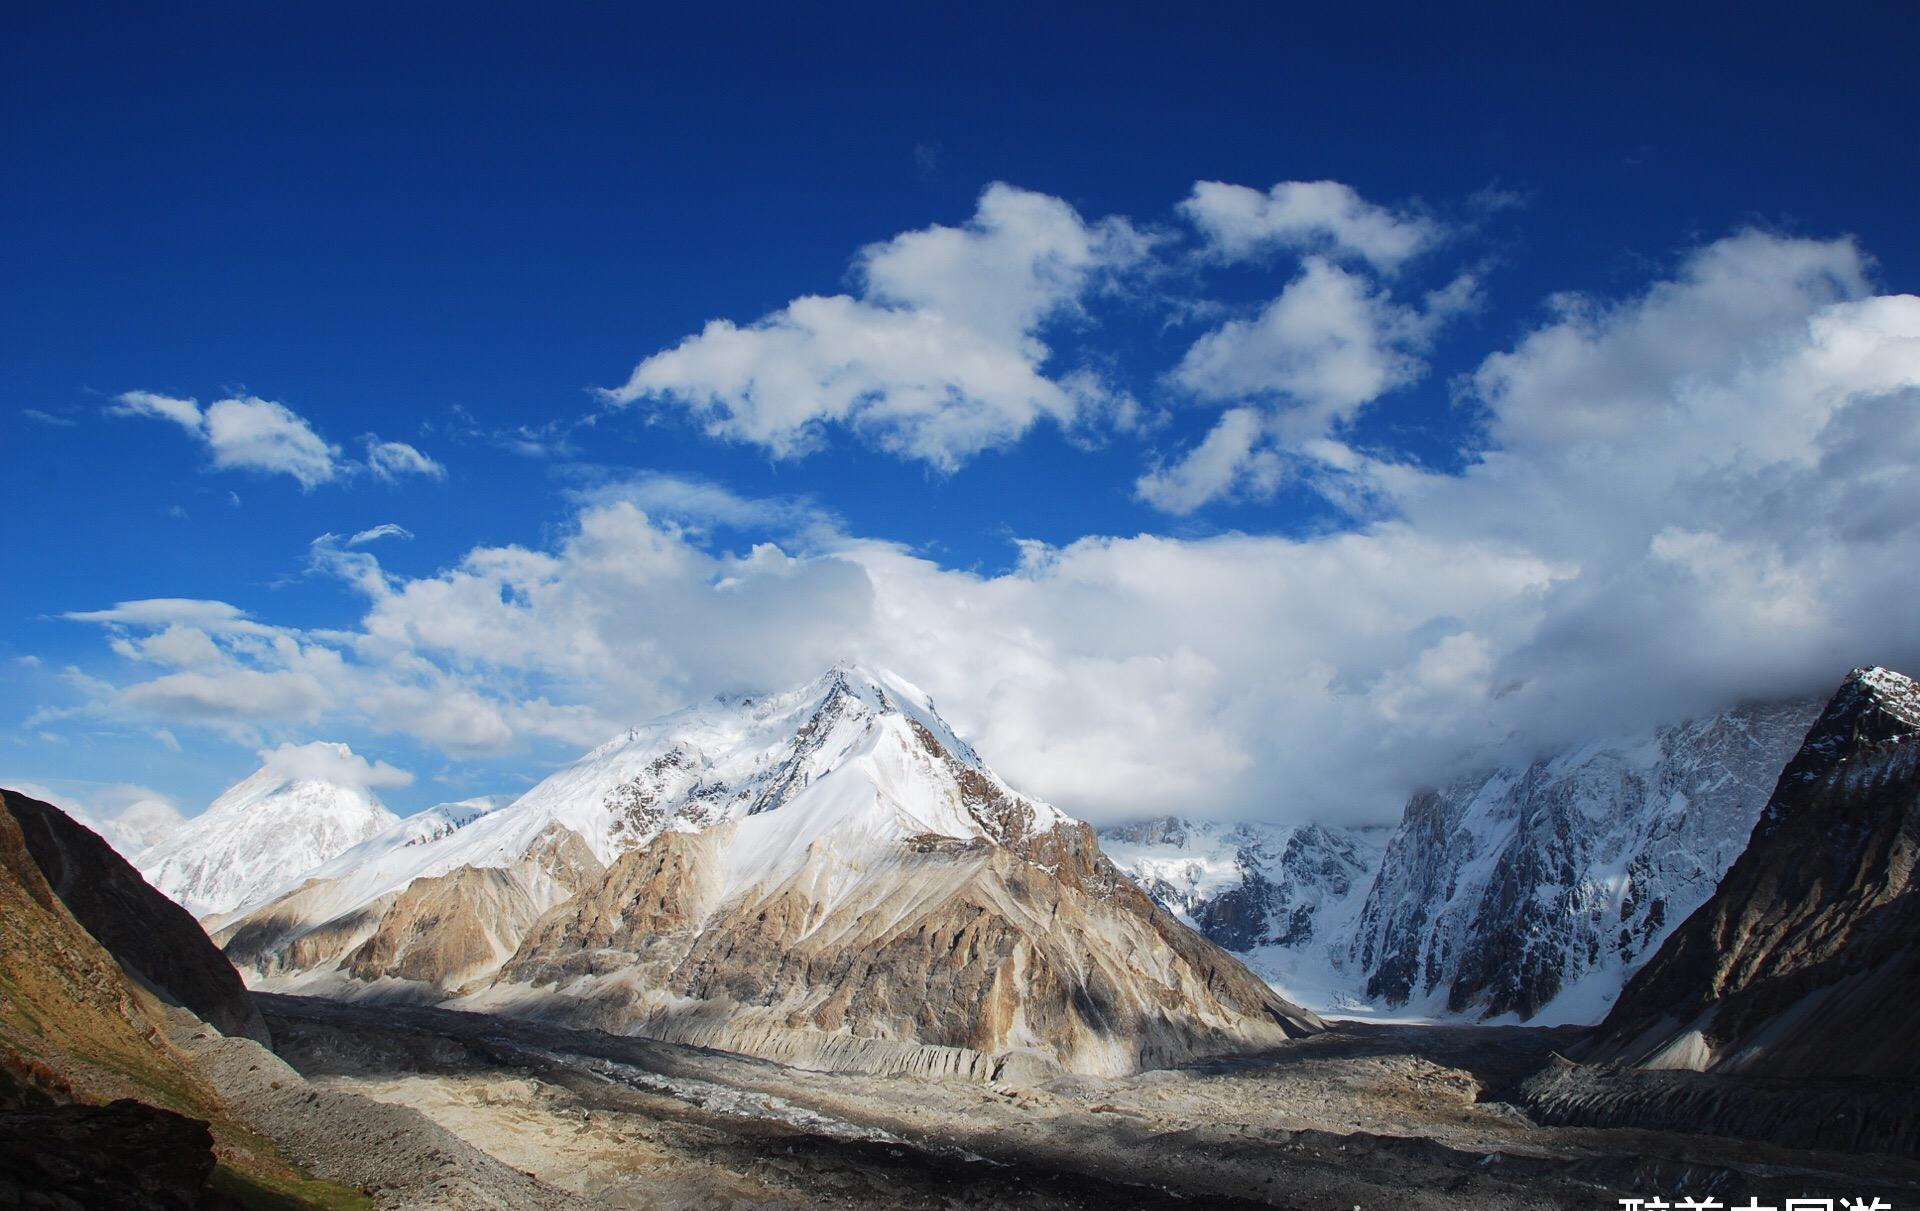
(258, 838)
(741, 757)
(857, 759)
(827, 876)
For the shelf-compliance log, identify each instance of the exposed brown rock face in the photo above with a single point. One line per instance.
(449, 929)
(281, 934)
(143, 929)
(956, 958)
(1806, 961)
(443, 932)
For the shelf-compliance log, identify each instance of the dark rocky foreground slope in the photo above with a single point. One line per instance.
(115, 1094)
(1783, 1008)
(152, 937)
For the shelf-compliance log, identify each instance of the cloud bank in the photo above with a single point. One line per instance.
(1702, 493)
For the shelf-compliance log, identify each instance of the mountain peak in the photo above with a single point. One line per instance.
(264, 831)
(1872, 705)
(1893, 692)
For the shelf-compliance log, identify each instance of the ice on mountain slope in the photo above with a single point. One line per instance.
(1282, 898)
(1536, 891)
(1525, 892)
(260, 837)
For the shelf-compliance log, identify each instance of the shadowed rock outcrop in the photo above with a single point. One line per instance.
(148, 933)
(125, 1155)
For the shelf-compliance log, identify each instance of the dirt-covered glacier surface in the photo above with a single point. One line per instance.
(1368, 1116)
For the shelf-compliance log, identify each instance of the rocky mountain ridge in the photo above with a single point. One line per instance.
(829, 877)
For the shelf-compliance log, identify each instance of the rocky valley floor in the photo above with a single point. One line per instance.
(1369, 1116)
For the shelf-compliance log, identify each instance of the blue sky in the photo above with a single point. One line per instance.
(419, 255)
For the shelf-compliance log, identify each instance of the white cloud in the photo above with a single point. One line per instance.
(392, 460)
(127, 816)
(1314, 216)
(1330, 344)
(182, 412)
(699, 504)
(246, 433)
(167, 611)
(239, 697)
(260, 435)
(1705, 493)
(1233, 458)
(383, 530)
(252, 434)
(329, 762)
(938, 358)
(1327, 345)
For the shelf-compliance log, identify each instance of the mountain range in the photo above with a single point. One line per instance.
(1527, 891)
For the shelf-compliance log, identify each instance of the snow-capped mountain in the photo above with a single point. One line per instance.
(1282, 898)
(258, 838)
(825, 876)
(135, 828)
(1536, 891)
(1531, 890)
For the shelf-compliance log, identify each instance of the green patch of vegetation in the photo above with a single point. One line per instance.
(298, 1192)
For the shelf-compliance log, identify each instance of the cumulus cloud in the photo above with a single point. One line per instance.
(1314, 216)
(261, 435)
(1233, 458)
(938, 357)
(1328, 344)
(1703, 493)
(323, 761)
(1331, 343)
(246, 433)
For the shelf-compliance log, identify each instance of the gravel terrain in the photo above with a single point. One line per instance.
(1370, 1116)
(402, 1159)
